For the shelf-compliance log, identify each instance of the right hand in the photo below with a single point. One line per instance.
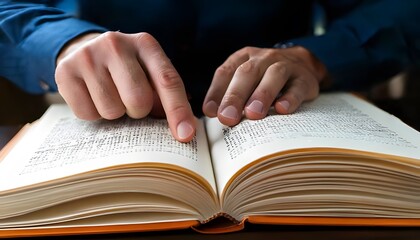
(111, 74)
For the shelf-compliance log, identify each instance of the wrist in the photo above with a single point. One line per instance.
(318, 67)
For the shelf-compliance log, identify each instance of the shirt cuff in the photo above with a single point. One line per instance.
(43, 47)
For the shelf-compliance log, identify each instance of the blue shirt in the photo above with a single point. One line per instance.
(364, 42)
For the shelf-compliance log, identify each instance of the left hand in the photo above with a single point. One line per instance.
(251, 79)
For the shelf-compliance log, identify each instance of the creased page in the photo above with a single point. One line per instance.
(335, 120)
(61, 145)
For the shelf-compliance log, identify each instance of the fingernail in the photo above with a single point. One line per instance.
(184, 130)
(256, 106)
(230, 112)
(285, 104)
(212, 108)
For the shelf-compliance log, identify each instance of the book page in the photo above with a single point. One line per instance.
(335, 120)
(61, 145)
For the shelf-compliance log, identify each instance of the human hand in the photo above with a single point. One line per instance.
(251, 79)
(111, 74)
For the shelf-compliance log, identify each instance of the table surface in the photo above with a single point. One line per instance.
(254, 231)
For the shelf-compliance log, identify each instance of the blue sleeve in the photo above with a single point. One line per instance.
(31, 36)
(371, 43)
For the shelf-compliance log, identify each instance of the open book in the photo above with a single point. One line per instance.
(337, 161)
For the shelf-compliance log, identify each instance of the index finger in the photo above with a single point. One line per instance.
(168, 85)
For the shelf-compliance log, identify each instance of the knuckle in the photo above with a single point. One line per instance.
(272, 54)
(110, 36)
(248, 49)
(295, 99)
(169, 79)
(112, 113)
(302, 51)
(225, 70)
(63, 66)
(83, 58)
(233, 97)
(264, 93)
(60, 73)
(177, 109)
(145, 36)
(143, 101)
(86, 115)
(66, 76)
(247, 67)
(112, 41)
(279, 68)
(145, 39)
